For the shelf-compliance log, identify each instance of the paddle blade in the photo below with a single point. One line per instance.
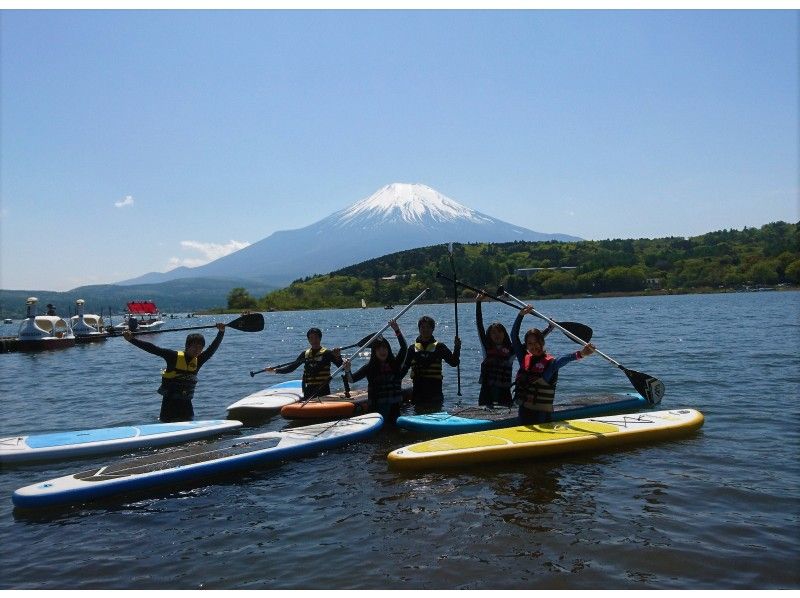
(582, 331)
(248, 323)
(652, 389)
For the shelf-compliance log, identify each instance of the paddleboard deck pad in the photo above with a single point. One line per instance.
(267, 401)
(328, 407)
(475, 419)
(519, 442)
(183, 464)
(98, 441)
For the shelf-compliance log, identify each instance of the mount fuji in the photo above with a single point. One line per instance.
(397, 217)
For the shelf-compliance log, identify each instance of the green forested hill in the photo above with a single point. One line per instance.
(726, 259)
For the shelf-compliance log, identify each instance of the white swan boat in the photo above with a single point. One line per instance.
(41, 333)
(87, 328)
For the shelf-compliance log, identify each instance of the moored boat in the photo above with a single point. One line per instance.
(87, 328)
(142, 316)
(40, 333)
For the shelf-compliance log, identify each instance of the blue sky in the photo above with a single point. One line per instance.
(135, 141)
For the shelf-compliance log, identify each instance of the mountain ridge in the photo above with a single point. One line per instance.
(397, 217)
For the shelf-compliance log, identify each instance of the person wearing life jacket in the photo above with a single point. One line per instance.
(424, 359)
(317, 362)
(538, 372)
(498, 360)
(384, 376)
(179, 378)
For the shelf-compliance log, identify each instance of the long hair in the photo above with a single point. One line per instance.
(498, 326)
(374, 362)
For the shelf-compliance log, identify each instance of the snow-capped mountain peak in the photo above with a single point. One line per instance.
(411, 203)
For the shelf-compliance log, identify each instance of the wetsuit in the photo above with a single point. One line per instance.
(537, 378)
(424, 358)
(317, 370)
(496, 367)
(384, 382)
(179, 378)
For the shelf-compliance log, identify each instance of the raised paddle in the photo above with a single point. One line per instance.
(245, 323)
(582, 331)
(367, 344)
(651, 388)
(360, 343)
(455, 308)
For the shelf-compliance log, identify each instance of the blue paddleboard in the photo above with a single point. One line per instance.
(98, 441)
(182, 464)
(475, 419)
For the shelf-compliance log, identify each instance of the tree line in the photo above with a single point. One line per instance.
(725, 259)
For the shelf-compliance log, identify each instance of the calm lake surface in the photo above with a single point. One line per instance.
(718, 509)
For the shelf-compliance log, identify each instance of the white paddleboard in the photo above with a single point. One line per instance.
(267, 401)
(200, 461)
(98, 441)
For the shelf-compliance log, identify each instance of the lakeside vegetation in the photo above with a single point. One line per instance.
(716, 261)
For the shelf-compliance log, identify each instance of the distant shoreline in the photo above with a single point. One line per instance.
(608, 295)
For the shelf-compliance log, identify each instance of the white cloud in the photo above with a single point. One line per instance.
(128, 201)
(209, 252)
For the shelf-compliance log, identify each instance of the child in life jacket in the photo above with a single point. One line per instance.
(179, 378)
(498, 360)
(384, 376)
(538, 372)
(424, 358)
(317, 362)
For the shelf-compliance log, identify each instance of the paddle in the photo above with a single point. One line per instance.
(651, 388)
(283, 365)
(582, 331)
(245, 323)
(455, 307)
(367, 344)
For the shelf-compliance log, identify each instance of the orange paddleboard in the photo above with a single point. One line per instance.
(328, 407)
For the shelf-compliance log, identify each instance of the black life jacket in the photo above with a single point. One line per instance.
(496, 367)
(383, 384)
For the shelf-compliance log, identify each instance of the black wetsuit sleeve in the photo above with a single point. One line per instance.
(338, 361)
(170, 356)
(210, 350)
(410, 351)
(519, 348)
(479, 322)
(292, 366)
(451, 358)
(362, 373)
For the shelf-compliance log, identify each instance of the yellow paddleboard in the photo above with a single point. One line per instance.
(519, 442)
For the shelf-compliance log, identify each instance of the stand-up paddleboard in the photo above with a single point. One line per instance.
(328, 407)
(81, 443)
(475, 419)
(267, 401)
(553, 438)
(183, 464)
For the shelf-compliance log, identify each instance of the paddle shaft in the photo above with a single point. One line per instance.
(471, 288)
(577, 339)
(455, 309)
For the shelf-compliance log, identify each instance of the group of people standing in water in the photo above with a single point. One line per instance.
(533, 389)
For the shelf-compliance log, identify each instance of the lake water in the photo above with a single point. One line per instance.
(718, 509)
